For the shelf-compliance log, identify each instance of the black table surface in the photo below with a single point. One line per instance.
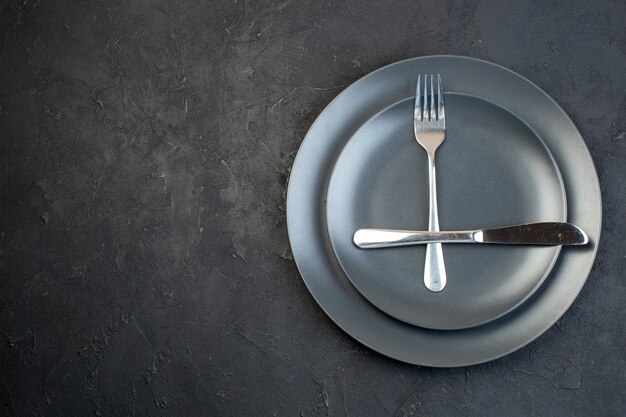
(145, 267)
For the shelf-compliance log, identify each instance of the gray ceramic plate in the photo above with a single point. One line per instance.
(492, 169)
(326, 280)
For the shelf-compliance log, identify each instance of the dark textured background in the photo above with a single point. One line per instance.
(144, 260)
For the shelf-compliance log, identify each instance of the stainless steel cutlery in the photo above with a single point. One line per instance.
(429, 121)
(547, 233)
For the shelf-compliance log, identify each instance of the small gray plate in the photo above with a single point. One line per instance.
(492, 170)
(328, 283)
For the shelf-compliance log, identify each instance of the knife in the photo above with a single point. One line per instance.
(547, 233)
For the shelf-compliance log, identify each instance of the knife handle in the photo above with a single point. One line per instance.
(385, 238)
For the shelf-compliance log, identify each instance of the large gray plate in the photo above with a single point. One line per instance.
(320, 270)
(492, 170)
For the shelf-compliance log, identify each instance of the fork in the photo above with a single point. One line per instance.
(429, 123)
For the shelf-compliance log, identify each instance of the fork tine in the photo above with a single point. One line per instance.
(440, 108)
(425, 106)
(433, 116)
(417, 115)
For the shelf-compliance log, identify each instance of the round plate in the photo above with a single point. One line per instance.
(331, 288)
(492, 171)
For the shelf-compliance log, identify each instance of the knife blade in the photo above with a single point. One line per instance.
(544, 233)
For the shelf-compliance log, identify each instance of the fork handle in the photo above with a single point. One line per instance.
(434, 266)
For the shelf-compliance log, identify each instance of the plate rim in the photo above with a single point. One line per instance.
(586, 155)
